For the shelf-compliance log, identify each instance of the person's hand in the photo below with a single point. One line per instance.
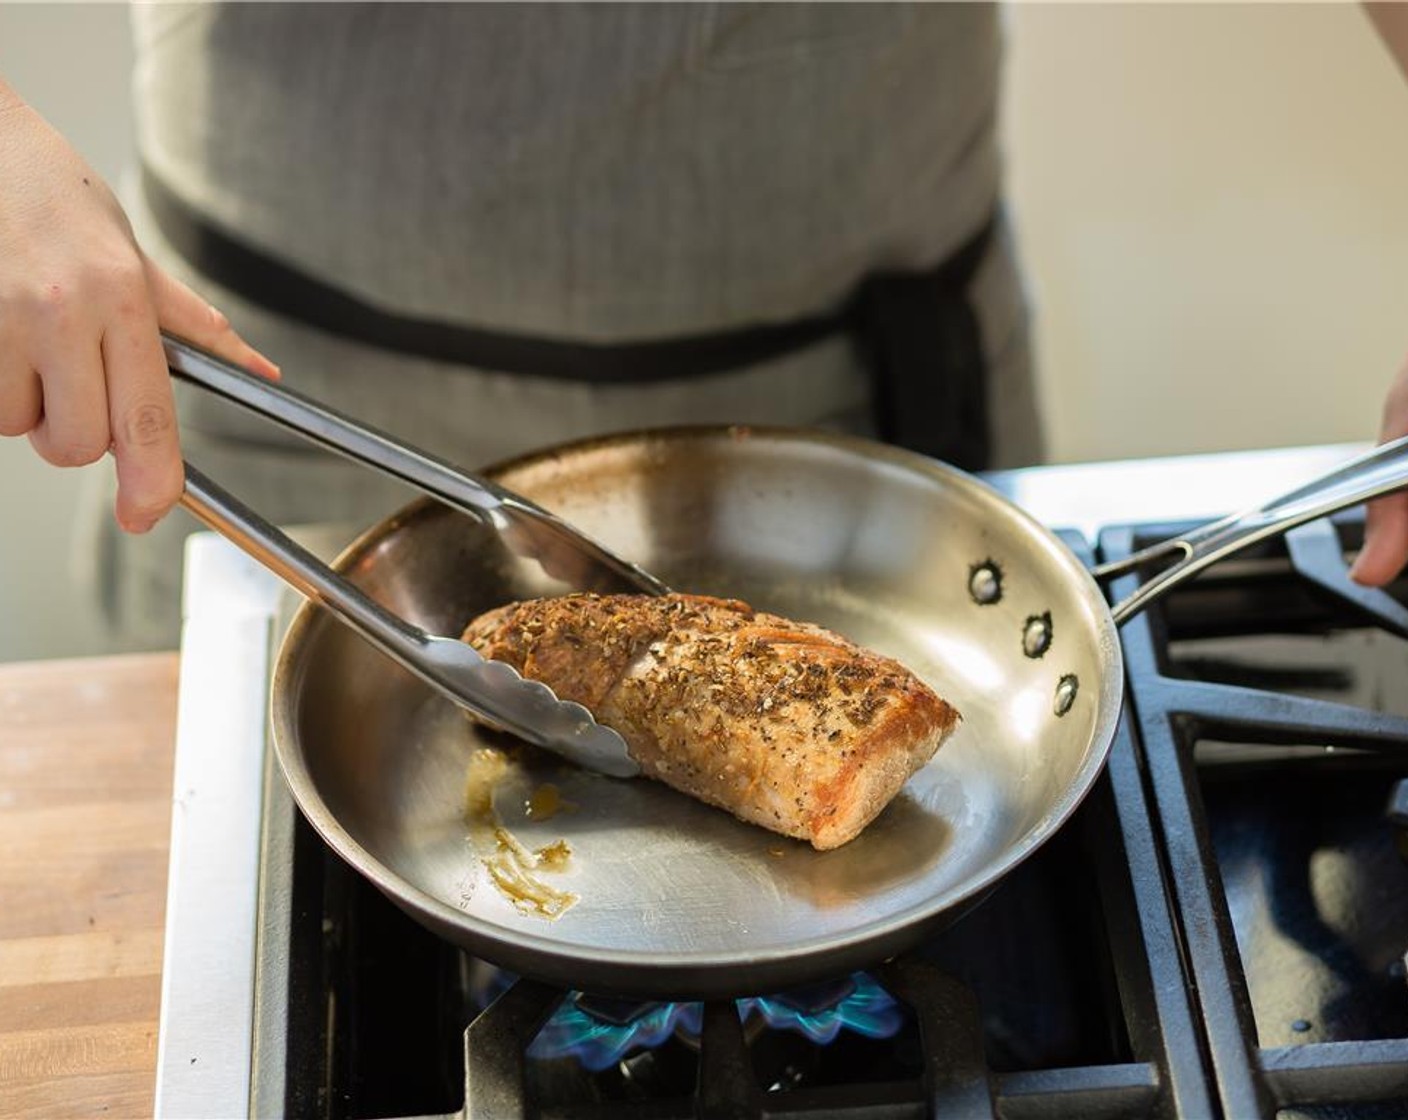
(1385, 548)
(81, 365)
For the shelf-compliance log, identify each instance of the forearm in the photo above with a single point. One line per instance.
(9, 99)
(1391, 21)
(1386, 529)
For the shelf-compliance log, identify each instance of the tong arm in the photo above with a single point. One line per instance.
(528, 528)
(491, 690)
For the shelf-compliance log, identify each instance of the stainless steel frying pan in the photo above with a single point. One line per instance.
(902, 554)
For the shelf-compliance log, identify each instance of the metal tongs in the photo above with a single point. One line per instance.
(492, 690)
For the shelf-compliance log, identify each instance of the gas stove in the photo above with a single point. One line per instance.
(1219, 931)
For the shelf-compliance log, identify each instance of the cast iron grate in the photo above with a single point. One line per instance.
(1164, 1024)
(1299, 587)
(1061, 995)
(376, 1026)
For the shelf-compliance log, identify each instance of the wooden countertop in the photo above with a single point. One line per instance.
(86, 751)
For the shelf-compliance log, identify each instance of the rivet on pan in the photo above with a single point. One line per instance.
(1036, 635)
(1066, 689)
(985, 583)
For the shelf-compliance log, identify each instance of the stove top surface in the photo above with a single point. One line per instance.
(1220, 930)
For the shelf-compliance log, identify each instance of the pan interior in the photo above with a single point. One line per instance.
(875, 544)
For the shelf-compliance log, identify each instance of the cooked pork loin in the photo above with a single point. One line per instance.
(782, 723)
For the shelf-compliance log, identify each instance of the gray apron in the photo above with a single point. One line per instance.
(631, 203)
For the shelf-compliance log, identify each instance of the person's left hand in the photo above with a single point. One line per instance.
(1385, 548)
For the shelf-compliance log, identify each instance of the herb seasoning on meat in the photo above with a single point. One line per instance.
(785, 724)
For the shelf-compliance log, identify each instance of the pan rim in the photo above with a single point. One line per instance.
(655, 971)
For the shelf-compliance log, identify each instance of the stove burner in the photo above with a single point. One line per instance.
(600, 1042)
(615, 1012)
(1219, 931)
(822, 1011)
(815, 999)
(600, 1032)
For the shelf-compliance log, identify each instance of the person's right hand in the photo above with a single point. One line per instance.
(1385, 548)
(81, 364)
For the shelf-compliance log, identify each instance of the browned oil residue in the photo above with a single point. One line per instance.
(513, 867)
(544, 802)
(487, 768)
(554, 856)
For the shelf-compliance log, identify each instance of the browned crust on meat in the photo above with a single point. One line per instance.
(785, 724)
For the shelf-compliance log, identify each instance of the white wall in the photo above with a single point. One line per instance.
(73, 62)
(1214, 204)
(1213, 201)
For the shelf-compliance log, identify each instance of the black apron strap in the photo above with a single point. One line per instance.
(918, 332)
(925, 350)
(277, 286)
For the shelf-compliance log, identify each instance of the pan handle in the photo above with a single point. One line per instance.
(1368, 476)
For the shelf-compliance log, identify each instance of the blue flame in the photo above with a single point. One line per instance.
(861, 1005)
(599, 1045)
(868, 1010)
